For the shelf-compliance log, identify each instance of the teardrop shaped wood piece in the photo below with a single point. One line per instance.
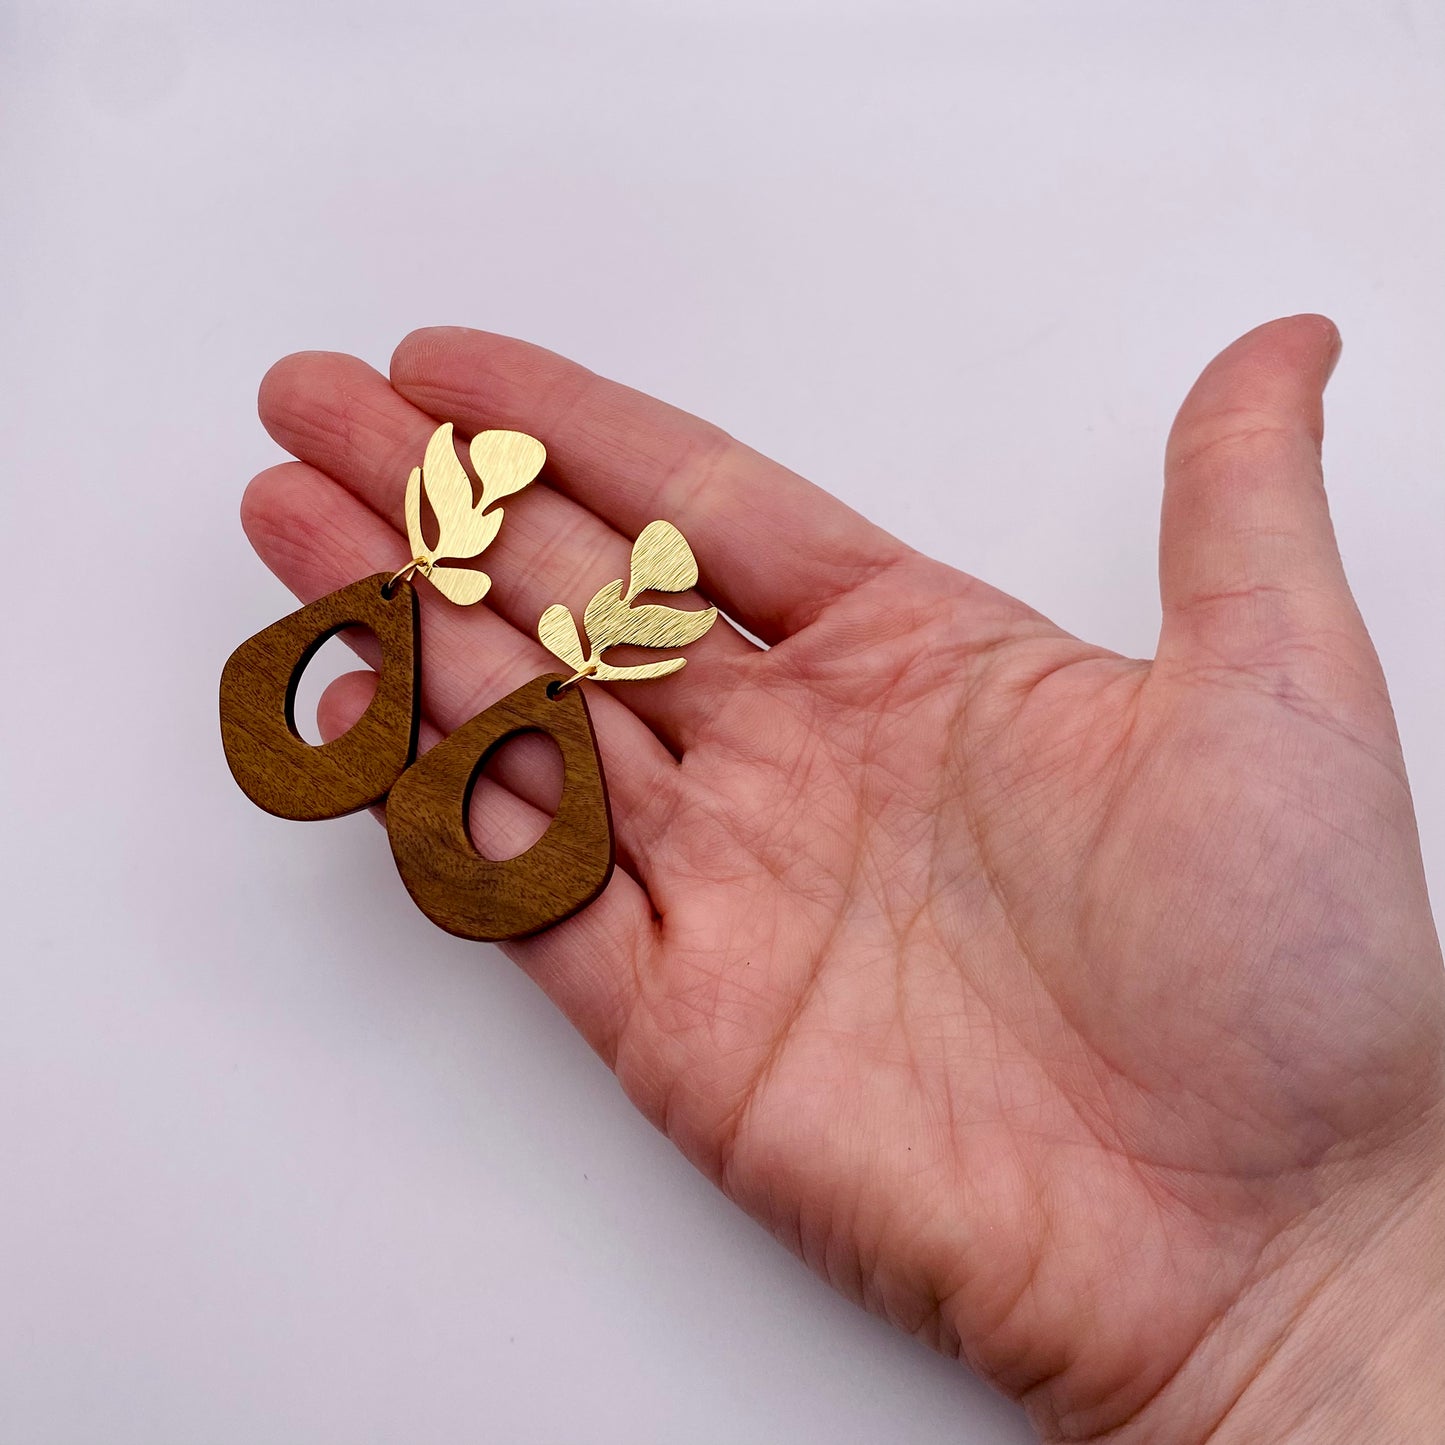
(563, 871)
(275, 766)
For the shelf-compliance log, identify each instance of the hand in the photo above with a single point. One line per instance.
(1082, 1015)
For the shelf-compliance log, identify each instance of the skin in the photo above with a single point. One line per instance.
(1082, 1015)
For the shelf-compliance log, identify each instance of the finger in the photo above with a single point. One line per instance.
(1250, 575)
(344, 418)
(317, 537)
(773, 549)
(588, 963)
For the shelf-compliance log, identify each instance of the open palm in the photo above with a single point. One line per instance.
(1054, 1004)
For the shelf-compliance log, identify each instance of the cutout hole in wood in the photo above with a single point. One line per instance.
(499, 823)
(335, 657)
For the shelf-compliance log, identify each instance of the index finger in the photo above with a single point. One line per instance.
(773, 549)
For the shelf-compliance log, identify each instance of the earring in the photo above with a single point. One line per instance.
(275, 767)
(426, 814)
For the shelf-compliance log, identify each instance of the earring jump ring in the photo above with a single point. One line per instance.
(558, 688)
(405, 574)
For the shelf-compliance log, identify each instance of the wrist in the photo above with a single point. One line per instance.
(1340, 1333)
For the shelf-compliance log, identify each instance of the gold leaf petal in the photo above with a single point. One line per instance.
(461, 585)
(413, 516)
(605, 672)
(661, 561)
(606, 614)
(475, 534)
(505, 462)
(559, 636)
(650, 626)
(448, 489)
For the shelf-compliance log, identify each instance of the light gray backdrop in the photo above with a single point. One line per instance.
(281, 1162)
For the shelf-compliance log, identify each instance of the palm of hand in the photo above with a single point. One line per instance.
(1027, 991)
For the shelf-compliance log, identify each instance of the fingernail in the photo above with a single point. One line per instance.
(1334, 361)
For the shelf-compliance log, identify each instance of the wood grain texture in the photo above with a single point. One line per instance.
(275, 766)
(564, 870)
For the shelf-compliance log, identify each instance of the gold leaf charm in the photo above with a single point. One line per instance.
(505, 462)
(559, 636)
(661, 562)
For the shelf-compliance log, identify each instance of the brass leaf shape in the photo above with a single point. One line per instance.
(605, 672)
(419, 548)
(475, 535)
(604, 616)
(559, 636)
(661, 562)
(505, 462)
(447, 488)
(462, 585)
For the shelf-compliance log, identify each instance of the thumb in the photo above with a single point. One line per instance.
(1249, 572)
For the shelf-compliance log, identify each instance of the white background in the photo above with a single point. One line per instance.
(281, 1162)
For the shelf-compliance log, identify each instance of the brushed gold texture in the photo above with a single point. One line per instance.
(661, 562)
(505, 462)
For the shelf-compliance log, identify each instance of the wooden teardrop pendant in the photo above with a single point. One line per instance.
(276, 767)
(568, 866)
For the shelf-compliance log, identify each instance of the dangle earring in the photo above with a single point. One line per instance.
(426, 814)
(275, 767)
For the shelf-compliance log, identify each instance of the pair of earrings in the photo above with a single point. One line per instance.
(427, 801)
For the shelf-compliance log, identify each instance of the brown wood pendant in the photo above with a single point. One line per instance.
(277, 768)
(568, 866)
